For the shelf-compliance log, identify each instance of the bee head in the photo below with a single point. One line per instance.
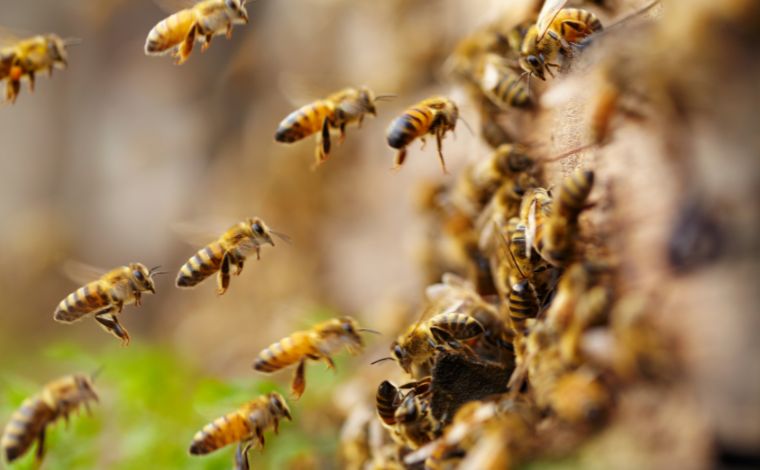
(350, 328)
(237, 7)
(367, 100)
(260, 231)
(534, 65)
(85, 388)
(57, 50)
(278, 405)
(401, 356)
(143, 277)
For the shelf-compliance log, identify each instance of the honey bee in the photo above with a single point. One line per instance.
(246, 426)
(334, 112)
(58, 399)
(317, 344)
(415, 422)
(228, 251)
(579, 396)
(105, 298)
(177, 34)
(29, 56)
(502, 85)
(387, 401)
(417, 346)
(557, 30)
(434, 116)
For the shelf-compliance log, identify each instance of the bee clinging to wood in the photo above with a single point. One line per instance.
(27, 57)
(246, 426)
(58, 399)
(105, 298)
(177, 34)
(227, 254)
(334, 112)
(435, 116)
(318, 344)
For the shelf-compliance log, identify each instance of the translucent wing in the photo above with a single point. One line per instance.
(201, 232)
(173, 6)
(546, 16)
(9, 37)
(81, 273)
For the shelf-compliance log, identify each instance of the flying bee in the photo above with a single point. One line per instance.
(177, 34)
(228, 251)
(317, 344)
(434, 116)
(502, 85)
(417, 346)
(58, 399)
(334, 112)
(556, 30)
(246, 426)
(29, 56)
(105, 298)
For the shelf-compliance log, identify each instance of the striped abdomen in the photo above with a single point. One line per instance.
(457, 326)
(25, 426)
(387, 400)
(202, 265)
(304, 121)
(523, 304)
(170, 32)
(510, 89)
(573, 25)
(92, 297)
(573, 193)
(228, 429)
(286, 352)
(415, 122)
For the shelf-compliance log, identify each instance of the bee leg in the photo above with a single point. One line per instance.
(206, 42)
(240, 263)
(12, 89)
(40, 447)
(260, 436)
(330, 363)
(439, 143)
(325, 139)
(424, 143)
(400, 157)
(241, 456)
(223, 279)
(342, 134)
(109, 322)
(187, 46)
(258, 253)
(31, 81)
(138, 298)
(229, 30)
(298, 385)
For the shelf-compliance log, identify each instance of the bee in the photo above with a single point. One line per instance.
(417, 346)
(29, 56)
(334, 112)
(246, 426)
(177, 34)
(416, 425)
(434, 116)
(502, 85)
(228, 251)
(319, 343)
(389, 397)
(105, 298)
(58, 399)
(556, 30)
(579, 396)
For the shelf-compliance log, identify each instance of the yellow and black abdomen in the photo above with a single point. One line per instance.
(170, 32)
(285, 352)
(415, 122)
(228, 429)
(203, 264)
(458, 326)
(87, 299)
(24, 427)
(387, 402)
(304, 121)
(573, 193)
(575, 24)
(523, 304)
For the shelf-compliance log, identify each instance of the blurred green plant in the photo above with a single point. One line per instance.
(152, 403)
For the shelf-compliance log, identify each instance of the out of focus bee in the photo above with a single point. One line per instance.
(27, 57)
(502, 85)
(434, 116)
(58, 399)
(334, 112)
(416, 347)
(317, 344)
(245, 426)
(105, 298)
(523, 304)
(580, 396)
(414, 421)
(557, 30)
(177, 34)
(227, 254)
(354, 447)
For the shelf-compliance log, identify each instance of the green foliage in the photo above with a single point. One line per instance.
(151, 405)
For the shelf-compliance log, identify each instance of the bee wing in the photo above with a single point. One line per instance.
(200, 232)
(548, 12)
(298, 91)
(173, 6)
(9, 37)
(81, 273)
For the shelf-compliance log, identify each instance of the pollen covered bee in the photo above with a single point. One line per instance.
(317, 344)
(227, 254)
(435, 116)
(58, 399)
(105, 298)
(334, 112)
(557, 30)
(245, 426)
(177, 34)
(29, 56)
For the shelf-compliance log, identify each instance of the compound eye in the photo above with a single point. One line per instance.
(231, 4)
(139, 276)
(398, 352)
(258, 229)
(533, 61)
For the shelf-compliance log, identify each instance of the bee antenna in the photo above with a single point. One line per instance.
(367, 330)
(386, 97)
(381, 360)
(467, 125)
(564, 155)
(97, 372)
(282, 236)
(72, 42)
